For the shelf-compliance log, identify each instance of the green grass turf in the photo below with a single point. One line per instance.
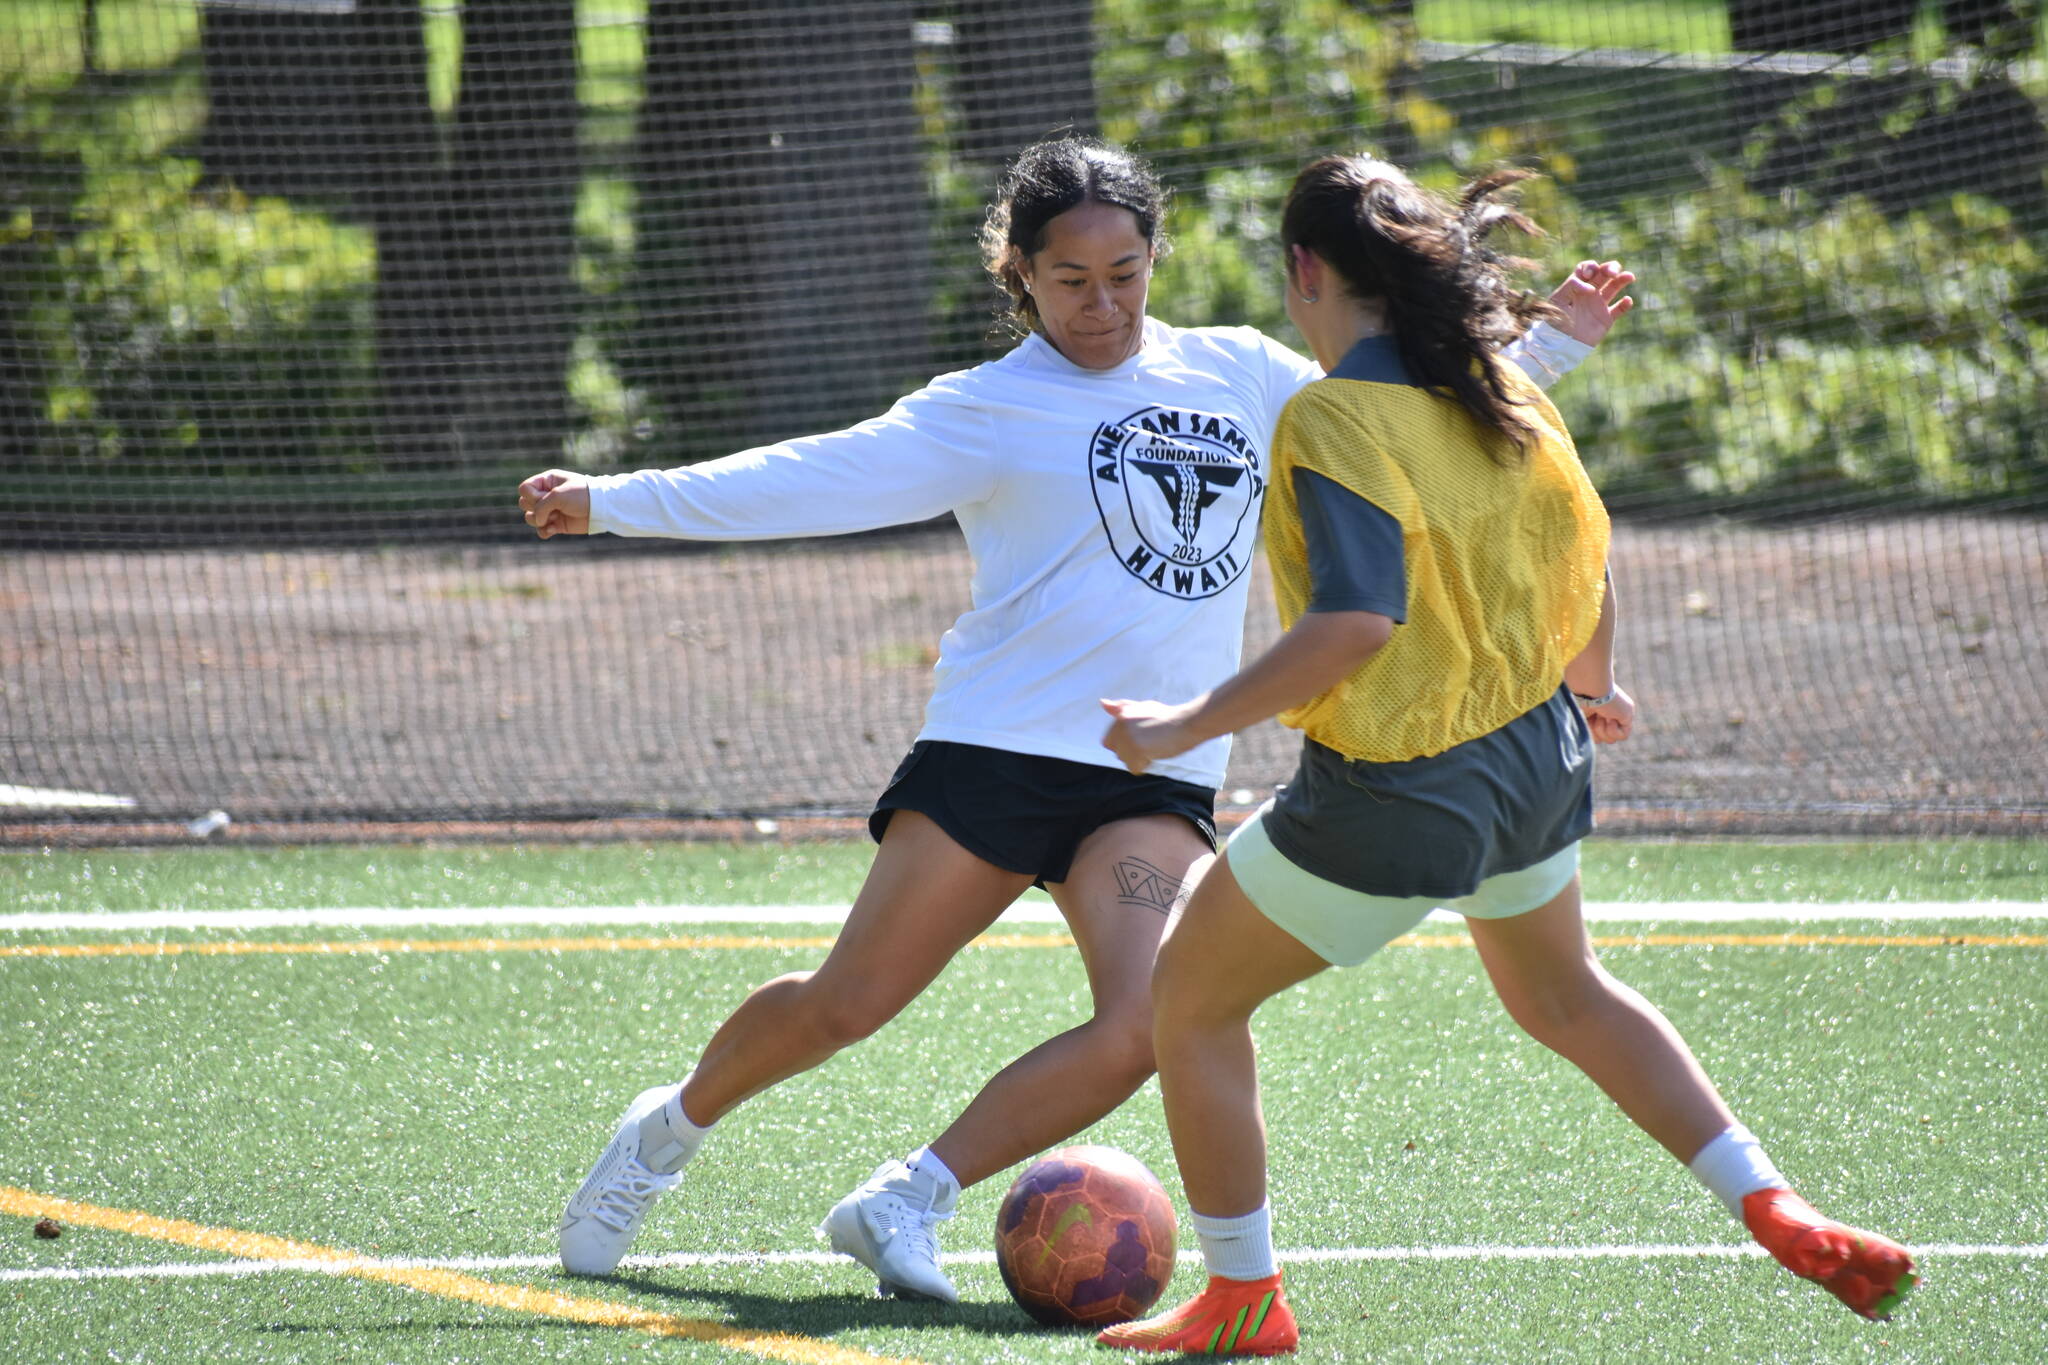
(1648, 25)
(443, 1104)
(830, 873)
(1663, 25)
(44, 42)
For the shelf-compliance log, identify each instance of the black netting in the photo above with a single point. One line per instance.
(293, 293)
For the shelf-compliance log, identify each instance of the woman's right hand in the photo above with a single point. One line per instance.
(1143, 732)
(556, 503)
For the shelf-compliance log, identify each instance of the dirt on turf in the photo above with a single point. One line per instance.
(1880, 676)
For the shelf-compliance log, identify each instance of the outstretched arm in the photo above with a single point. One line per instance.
(1319, 651)
(935, 450)
(1592, 300)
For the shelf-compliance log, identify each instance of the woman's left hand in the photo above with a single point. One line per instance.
(1143, 732)
(1592, 299)
(1612, 722)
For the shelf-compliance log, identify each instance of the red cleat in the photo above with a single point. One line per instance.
(1871, 1274)
(1229, 1318)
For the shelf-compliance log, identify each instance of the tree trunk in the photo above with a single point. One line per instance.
(1022, 71)
(282, 113)
(781, 263)
(511, 226)
(404, 193)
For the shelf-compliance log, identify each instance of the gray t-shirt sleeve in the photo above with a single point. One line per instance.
(1354, 549)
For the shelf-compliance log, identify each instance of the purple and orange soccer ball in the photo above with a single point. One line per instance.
(1085, 1238)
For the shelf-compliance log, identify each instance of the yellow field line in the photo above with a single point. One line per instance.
(447, 1284)
(379, 947)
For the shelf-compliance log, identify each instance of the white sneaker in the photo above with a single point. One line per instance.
(887, 1225)
(642, 1160)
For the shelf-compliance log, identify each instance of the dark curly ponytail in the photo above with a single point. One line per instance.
(1447, 293)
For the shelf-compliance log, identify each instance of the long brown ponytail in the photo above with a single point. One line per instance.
(1447, 293)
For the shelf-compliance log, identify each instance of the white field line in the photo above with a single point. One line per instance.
(52, 798)
(1030, 912)
(1314, 1255)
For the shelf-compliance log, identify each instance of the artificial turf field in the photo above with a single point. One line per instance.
(217, 1116)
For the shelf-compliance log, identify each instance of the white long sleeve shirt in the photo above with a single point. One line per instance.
(1111, 516)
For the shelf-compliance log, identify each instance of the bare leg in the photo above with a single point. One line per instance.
(1546, 973)
(1127, 881)
(924, 899)
(1223, 961)
(1543, 966)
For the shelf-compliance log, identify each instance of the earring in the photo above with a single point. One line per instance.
(1306, 298)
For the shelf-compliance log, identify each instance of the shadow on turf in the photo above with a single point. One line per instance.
(822, 1313)
(810, 1315)
(412, 1325)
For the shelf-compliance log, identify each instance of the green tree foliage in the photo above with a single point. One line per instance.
(172, 331)
(1789, 352)
(212, 334)
(1227, 107)
(1792, 349)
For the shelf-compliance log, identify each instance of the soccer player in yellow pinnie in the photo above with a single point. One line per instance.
(1439, 559)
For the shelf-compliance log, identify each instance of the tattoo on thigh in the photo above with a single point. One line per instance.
(1140, 883)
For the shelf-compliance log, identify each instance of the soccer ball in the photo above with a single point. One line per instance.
(1085, 1238)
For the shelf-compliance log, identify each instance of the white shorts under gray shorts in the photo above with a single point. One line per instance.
(1345, 927)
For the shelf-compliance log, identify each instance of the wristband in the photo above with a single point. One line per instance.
(1585, 700)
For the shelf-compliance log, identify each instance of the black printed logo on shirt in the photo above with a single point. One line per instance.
(1179, 493)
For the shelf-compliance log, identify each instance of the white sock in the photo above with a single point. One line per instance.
(925, 1161)
(668, 1138)
(1733, 1165)
(1239, 1248)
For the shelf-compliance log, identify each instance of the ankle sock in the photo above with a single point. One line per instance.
(1239, 1248)
(1733, 1165)
(668, 1138)
(926, 1162)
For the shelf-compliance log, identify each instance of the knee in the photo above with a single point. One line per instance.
(1183, 1005)
(841, 1014)
(1186, 1025)
(1559, 1009)
(1123, 1046)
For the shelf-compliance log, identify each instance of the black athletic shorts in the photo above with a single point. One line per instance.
(1025, 813)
